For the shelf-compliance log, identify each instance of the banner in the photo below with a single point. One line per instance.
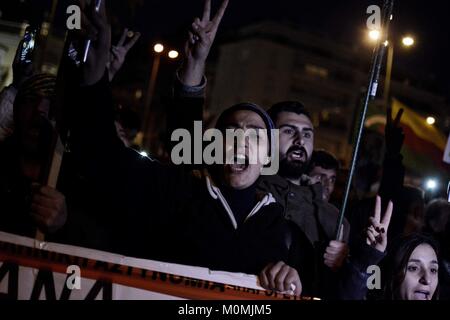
(33, 270)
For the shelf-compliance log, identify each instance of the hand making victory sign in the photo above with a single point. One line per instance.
(95, 25)
(376, 235)
(120, 51)
(201, 37)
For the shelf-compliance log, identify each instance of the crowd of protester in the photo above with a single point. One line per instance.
(225, 217)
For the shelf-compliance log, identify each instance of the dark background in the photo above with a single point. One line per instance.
(427, 64)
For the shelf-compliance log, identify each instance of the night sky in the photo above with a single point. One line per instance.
(344, 21)
(427, 63)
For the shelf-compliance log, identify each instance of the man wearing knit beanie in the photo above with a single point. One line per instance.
(219, 221)
(25, 202)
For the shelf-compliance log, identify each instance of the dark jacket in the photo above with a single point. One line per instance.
(304, 207)
(15, 194)
(81, 228)
(164, 212)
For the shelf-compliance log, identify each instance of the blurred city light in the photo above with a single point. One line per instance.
(158, 48)
(374, 35)
(144, 154)
(408, 41)
(173, 54)
(431, 184)
(431, 121)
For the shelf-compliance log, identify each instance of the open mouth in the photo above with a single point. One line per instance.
(298, 155)
(240, 163)
(421, 295)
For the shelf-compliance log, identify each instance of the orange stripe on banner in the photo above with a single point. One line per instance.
(170, 284)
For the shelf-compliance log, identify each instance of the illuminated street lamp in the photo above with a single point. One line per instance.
(431, 184)
(374, 35)
(173, 54)
(431, 120)
(158, 49)
(407, 41)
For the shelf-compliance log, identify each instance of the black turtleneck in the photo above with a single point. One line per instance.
(241, 202)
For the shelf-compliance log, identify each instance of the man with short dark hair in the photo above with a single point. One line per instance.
(296, 139)
(302, 200)
(26, 204)
(324, 168)
(296, 149)
(302, 205)
(216, 219)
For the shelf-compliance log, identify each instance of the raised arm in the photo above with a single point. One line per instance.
(120, 51)
(369, 252)
(393, 169)
(188, 98)
(21, 72)
(201, 37)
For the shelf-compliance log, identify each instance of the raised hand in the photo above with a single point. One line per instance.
(96, 26)
(282, 278)
(119, 52)
(376, 234)
(201, 37)
(393, 133)
(21, 71)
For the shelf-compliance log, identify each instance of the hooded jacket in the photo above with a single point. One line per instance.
(167, 213)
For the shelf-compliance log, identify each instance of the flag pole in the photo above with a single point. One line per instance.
(52, 167)
(377, 61)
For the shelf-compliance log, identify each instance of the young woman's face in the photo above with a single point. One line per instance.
(421, 274)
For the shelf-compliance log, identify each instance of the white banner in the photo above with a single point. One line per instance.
(33, 270)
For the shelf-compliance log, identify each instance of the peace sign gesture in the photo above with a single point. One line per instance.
(119, 52)
(376, 235)
(203, 32)
(201, 37)
(394, 135)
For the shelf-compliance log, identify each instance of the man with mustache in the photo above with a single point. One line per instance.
(296, 149)
(217, 220)
(302, 204)
(302, 200)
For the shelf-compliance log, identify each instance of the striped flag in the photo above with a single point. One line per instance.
(424, 144)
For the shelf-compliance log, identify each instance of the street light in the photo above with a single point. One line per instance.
(173, 54)
(431, 184)
(407, 41)
(431, 121)
(374, 35)
(158, 49)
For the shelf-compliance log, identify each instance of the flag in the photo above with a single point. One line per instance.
(424, 144)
